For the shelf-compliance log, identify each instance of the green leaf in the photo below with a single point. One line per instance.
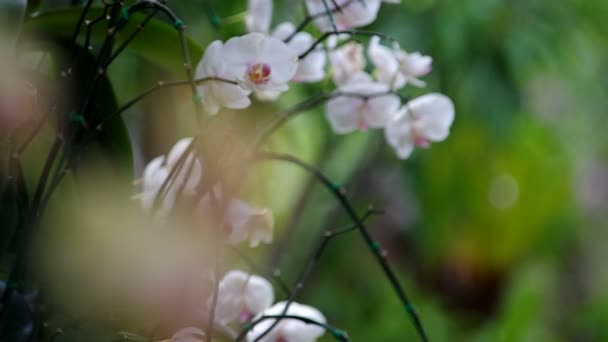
(158, 42)
(113, 141)
(108, 150)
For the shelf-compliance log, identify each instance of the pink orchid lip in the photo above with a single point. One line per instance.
(259, 73)
(422, 142)
(281, 339)
(245, 315)
(362, 125)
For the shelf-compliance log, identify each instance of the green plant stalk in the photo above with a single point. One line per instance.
(373, 246)
(15, 278)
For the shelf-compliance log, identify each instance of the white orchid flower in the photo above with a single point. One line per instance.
(352, 13)
(153, 177)
(421, 121)
(242, 222)
(352, 111)
(259, 62)
(241, 296)
(312, 67)
(396, 67)
(218, 94)
(346, 60)
(158, 169)
(259, 15)
(191, 162)
(288, 329)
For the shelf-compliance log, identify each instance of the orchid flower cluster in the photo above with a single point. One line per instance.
(242, 221)
(247, 297)
(366, 80)
(262, 63)
(244, 298)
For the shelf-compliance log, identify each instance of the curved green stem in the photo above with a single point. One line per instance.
(373, 246)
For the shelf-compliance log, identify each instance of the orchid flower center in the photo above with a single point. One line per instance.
(361, 122)
(259, 73)
(421, 141)
(245, 315)
(281, 339)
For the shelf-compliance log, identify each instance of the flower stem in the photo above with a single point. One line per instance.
(373, 245)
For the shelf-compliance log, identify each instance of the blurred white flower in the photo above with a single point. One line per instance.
(385, 63)
(289, 329)
(421, 121)
(241, 296)
(396, 67)
(259, 62)
(18, 97)
(159, 168)
(352, 13)
(351, 111)
(346, 60)
(259, 15)
(312, 67)
(242, 222)
(217, 94)
(153, 177)
(414, 65)
(189, 334)
(195, 174)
